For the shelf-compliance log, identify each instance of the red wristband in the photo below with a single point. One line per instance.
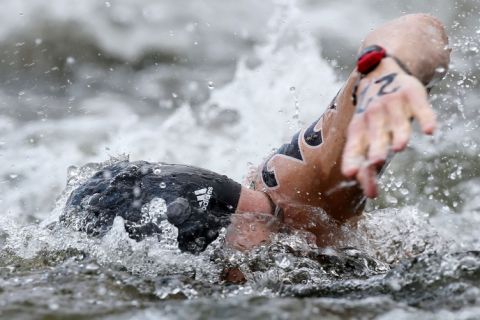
(368, 60)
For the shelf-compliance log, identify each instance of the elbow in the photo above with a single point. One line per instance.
(430, 23)
(438, 37)
(438, 48)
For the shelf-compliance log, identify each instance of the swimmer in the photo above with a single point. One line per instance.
(333, 164)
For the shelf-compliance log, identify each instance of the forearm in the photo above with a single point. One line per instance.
(419, 41)
(315, 178)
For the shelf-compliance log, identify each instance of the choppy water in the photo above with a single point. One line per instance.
(218, 84)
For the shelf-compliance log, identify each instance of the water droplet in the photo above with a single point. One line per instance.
(70, 60)
(155, 211)
(391, 199)
(107, 174)
(211, 85)
(163, 185)
(200, 242)
(283, 262)
(92, 267)
(101, 290)
(137, 192)
(53, 306)
(137, 204)
(72, 171)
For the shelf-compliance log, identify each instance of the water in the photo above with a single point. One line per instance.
(218, 86)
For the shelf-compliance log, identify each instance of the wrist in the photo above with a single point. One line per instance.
(387, 65)
(375, 61)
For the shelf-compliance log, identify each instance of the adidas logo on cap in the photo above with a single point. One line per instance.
(203, 197)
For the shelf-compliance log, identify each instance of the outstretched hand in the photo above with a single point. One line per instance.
(388, 99)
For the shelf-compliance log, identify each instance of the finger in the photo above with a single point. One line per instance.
(399, 124)
(367, 177)
(378, 135)
(422, 110)
(355, 147)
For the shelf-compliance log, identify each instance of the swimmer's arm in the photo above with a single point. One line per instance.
(325, 176)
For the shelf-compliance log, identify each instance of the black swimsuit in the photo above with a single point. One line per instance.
(196, 201)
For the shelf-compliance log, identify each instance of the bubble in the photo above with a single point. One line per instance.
(108, 4)
(157, 171)
(38, 41)
(211, 85)
(163, 185)
(13, 176)
(292, 89)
